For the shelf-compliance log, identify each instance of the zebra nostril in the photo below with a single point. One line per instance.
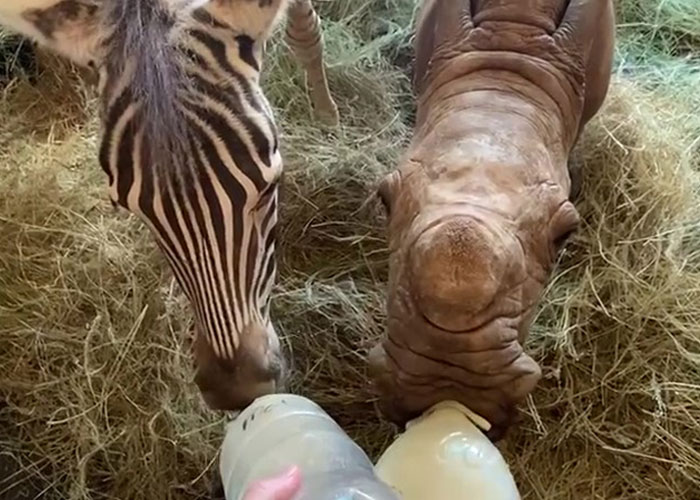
(213, 401)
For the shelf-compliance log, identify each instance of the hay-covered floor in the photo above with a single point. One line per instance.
(96, 392)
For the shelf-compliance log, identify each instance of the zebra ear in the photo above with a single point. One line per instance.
(69, 27)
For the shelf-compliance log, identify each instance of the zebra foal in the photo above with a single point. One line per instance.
(189, 144)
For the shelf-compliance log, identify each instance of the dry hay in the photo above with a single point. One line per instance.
(97, 393)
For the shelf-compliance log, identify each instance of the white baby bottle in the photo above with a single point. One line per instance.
(281, 430)
(444, 455)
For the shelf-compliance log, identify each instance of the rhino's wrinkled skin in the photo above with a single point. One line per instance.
(479, 206)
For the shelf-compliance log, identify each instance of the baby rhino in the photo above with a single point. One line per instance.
(480, 204)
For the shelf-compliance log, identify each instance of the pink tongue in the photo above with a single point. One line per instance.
(456, 270)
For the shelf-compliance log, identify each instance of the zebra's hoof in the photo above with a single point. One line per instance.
(329, 117)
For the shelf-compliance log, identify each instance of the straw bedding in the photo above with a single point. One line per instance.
(96, 392)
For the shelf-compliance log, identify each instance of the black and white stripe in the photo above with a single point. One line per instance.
(212, 204)
(189, 140)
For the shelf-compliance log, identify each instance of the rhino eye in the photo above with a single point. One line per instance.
(387, 190)
(385, 202)
(564, 223)
(561, 240)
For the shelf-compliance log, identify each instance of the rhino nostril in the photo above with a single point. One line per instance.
(456, 270)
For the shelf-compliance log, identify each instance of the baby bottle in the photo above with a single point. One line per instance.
(280, 430)
(444, 455)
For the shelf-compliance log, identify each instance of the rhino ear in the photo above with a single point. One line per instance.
(579, 26)
(439, 21)
(70, 28)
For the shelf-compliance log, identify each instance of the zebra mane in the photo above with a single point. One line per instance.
(142, 34)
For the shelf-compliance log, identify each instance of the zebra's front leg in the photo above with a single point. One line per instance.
(306, 41)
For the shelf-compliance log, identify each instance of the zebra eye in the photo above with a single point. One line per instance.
(265, 196)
